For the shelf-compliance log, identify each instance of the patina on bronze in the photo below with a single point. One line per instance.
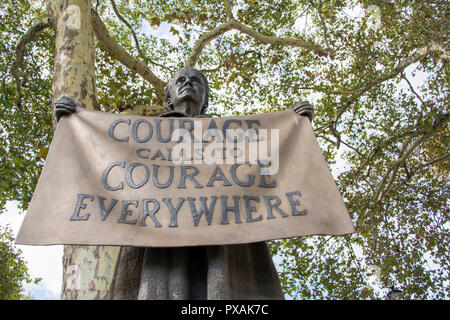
(211, 272)
(243, 271)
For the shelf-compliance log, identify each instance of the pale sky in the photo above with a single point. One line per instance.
(43, 261)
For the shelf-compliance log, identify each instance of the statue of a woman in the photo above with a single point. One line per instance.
(244, 271)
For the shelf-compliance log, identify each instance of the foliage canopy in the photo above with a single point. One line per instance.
(13, 269)
(376, 71)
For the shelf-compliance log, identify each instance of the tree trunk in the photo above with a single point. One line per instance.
(87, 270)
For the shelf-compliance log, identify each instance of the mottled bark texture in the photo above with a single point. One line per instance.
(243, 271)
(74, 69)
(87, 270)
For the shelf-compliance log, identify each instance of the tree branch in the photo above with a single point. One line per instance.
(27, 37)
(204, 40)
(136, 41)
(355, 94)
(229, 9)
(405, 153)
(233, 24)
(411, 87)
(224, 63)
(322, 21)
(116, 50)
(424, 165)
(292, 42)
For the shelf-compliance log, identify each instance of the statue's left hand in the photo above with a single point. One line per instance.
(63, 106)
(304, 108)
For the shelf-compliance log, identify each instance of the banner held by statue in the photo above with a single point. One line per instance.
(161, 182)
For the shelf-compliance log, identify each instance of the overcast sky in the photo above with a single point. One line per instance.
(43, 261)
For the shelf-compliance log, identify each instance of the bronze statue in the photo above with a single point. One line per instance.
(244, 271)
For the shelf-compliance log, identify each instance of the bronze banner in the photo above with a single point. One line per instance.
(158, 182)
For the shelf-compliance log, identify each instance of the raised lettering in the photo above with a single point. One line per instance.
(225, 209)
(125, 212)
(270, 206)
(135, 128)
(80, 205)
(151, 214)
(129, 177)
(185, 175)
(158, 154)
(225, 128)
(251, 178)
(249, 209)
(263, 183)
(105, 212)
(105, 173)
(155, 177)
(139, 153)
(173, 211)
(158, 131)
(112, 128)
(218, 175)
(295, 203)
(196, 215)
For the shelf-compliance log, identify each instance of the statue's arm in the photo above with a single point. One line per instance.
(304, 108)
(64, 106)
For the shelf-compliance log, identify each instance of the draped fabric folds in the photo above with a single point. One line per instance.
(232, 272)
(244, 271)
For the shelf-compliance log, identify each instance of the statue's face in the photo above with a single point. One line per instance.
(187, 86)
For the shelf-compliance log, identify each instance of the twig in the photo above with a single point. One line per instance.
(352, 253)
(136, 41)
(355, 94)
(116, 50)
(424, 165)
(20, 52)
(322, 21)
(411, 87)
(233, 24)
(405, 153)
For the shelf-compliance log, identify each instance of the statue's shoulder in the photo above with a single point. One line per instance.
(204, 116)
(145, 110)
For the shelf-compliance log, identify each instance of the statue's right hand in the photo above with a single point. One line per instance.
(304, 108)
(63, 106)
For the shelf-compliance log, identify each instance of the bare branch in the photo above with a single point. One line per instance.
(233, 24)
(136, 41)
(116, 50)
(20, 51)
(229, 8)
(424, 165)
(204, 40)
(292, 42)
(322, 22)
(405, 153)
(412, 88)
(355, 94)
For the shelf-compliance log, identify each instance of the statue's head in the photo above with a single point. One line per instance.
(187, 87)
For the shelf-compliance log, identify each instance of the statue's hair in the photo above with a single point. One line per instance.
(169, 85)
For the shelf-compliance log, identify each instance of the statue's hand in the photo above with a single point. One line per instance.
(64, 106)
(304, 108)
